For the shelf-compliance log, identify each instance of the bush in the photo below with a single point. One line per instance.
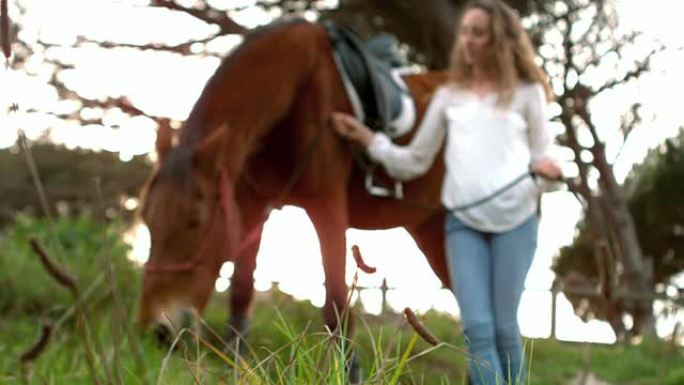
(68, 177)
(83, 247)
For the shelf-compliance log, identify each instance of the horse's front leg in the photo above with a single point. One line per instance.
(242, 293)
(330, 220)
(242, 281)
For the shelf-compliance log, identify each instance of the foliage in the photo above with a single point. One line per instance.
(69, 179)
(585, 52)
(287, 345)
(655, 202)
(79, 243)
(286, 349)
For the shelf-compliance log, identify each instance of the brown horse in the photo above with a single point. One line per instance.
(260, 136)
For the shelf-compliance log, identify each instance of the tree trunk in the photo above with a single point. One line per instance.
(638, 273)
(603, 251)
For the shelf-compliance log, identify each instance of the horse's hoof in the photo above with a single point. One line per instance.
(163, 335)
(236, 334)
(354, 370)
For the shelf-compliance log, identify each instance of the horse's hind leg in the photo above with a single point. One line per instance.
(429, 237)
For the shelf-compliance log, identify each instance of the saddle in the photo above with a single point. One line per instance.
(379, 97)
(370, 71)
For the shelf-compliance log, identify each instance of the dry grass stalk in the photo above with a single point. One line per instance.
(5, 30)
(38, 347)
(360, 263)
(58, 273)
(420, 328)
(67, 280)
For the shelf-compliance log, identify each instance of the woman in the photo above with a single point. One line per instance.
(492, 115)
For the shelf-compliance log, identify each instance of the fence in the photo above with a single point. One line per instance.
(675, 301)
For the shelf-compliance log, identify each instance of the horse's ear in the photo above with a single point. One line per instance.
(164, 142)
(206, 154)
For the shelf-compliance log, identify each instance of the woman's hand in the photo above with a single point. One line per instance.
(548, 169)
(351, 128)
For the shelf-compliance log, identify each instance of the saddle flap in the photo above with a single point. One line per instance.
(367, 70)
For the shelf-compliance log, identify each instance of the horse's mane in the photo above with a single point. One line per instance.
(192, 133)
(249, 38)
(178, 164)
(176, 167)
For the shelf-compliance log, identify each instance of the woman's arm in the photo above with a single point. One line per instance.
(401, 162)
(540, 138)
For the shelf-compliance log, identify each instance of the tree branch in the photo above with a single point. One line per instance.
(641, 67)
(600, 18)
(65, 93)
(628, 122)
(182, 49)
(206, 14)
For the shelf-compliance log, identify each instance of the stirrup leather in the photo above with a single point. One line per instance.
(382, 191)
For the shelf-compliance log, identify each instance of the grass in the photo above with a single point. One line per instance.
(288, 344)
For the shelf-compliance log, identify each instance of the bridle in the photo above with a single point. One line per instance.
(226, 199)
(225, 202)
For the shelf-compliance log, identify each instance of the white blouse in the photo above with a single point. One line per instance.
(487, 147)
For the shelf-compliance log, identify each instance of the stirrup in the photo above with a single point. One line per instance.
(382, 191)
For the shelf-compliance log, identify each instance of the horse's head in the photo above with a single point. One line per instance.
(182, 206)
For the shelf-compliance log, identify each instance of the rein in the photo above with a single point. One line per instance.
(493, 195)
(226, 197)
(365, 165)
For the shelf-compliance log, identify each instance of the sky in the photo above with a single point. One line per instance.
(145, 80)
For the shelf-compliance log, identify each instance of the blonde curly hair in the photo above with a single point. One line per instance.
(513, 53)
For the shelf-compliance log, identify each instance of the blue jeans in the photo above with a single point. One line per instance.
(487, 272)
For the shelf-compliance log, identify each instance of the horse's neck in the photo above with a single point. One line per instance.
(235, 95)
(207, 129)
(192, 136)
(201, 123)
